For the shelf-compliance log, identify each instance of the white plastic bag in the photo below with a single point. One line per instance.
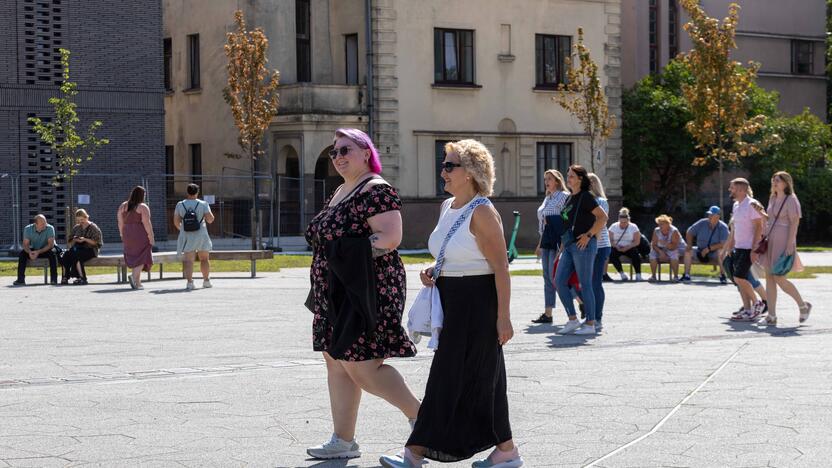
(425, 317)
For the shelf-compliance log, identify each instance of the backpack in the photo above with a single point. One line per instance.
(190, 222)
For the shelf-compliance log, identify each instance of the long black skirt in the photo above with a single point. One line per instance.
(465, 409)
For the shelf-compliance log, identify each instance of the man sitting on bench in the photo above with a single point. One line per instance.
(709, 234)
(38, 241)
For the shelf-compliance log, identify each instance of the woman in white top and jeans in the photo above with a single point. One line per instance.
(556, 196)
(624, 240)
(465, 408)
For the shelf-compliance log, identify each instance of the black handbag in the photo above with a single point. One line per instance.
(644, 247)
(552, 231)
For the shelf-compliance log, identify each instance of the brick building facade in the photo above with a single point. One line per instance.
(117, 63)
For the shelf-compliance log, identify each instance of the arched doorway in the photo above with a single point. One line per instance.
(289, 187)
(326, 178)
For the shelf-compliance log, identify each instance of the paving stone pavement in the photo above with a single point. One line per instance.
(105, 376)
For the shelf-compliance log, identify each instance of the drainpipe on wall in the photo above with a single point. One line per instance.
(368, 17)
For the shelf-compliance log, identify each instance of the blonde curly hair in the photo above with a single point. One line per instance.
(477, 160)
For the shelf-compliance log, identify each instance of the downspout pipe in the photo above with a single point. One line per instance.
(368, 17)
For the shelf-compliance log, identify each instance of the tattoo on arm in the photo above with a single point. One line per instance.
(378, 252)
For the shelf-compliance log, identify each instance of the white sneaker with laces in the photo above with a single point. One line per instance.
(624, 276)
(190, 286)
(207, 284)
(569, 327)
(336, 448)
(585, 330)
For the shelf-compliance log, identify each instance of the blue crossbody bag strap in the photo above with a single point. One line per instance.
(440, 260)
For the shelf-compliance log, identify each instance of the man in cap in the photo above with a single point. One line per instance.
(705, 238)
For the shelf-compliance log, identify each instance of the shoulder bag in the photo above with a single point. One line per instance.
(762, 247)
(425, 316)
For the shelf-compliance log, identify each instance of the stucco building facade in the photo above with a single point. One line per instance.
(436, 70)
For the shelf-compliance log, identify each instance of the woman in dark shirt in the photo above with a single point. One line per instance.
(84, 244)
(583, 219)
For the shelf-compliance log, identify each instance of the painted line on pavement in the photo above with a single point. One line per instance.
(673, 411)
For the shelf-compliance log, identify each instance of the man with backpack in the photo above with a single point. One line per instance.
(191, 217)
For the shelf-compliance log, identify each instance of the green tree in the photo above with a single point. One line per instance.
(804, 152)
(583, 96)
(252, 95)
(718, 97)
(70, 148)
(657, 148)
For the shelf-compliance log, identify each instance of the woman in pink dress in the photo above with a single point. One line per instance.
(783, 219)
(137, 235)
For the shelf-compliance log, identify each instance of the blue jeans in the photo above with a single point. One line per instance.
(581, 262)
(598, 280)
(547, 256)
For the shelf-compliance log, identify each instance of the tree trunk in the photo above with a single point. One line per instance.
(721, 185)
(68, 210)
(255, 215)
(592, 154)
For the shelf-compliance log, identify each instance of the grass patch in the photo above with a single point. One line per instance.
(9, 268)
(814, 248)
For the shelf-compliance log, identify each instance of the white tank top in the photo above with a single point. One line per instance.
(462, 255)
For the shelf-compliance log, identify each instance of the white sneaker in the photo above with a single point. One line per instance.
(638, 277)
(569, 327)
(190, 286)
(336, 448)
(585, 330)
(207, 284)
(624, 276)
(598, 326)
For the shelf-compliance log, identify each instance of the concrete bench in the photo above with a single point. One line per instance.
(160, 258)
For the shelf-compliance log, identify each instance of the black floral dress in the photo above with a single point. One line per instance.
(349, 218)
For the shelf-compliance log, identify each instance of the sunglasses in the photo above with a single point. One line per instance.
(343, 151)
(448, 166)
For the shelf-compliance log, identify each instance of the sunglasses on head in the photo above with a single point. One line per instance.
(343, 151)
(448, 166)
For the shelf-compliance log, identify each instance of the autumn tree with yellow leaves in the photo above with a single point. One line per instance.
(718, 97)
(584, 98)
(252, 95)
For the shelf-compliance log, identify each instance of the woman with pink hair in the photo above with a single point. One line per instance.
(363, 214)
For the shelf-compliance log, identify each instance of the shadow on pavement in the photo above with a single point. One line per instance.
(332, 464)
(570, 341)
(110, 291)
(753, 327)
(540, 329)
(170, 291)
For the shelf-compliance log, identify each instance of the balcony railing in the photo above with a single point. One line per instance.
(310, 98)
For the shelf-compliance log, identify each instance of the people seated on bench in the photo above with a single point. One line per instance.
(666, 247)
(709, 234)
(38, 241)
(625, 237)
(84, 243)
(191, 217)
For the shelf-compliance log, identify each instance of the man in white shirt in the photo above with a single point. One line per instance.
(748, 231)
